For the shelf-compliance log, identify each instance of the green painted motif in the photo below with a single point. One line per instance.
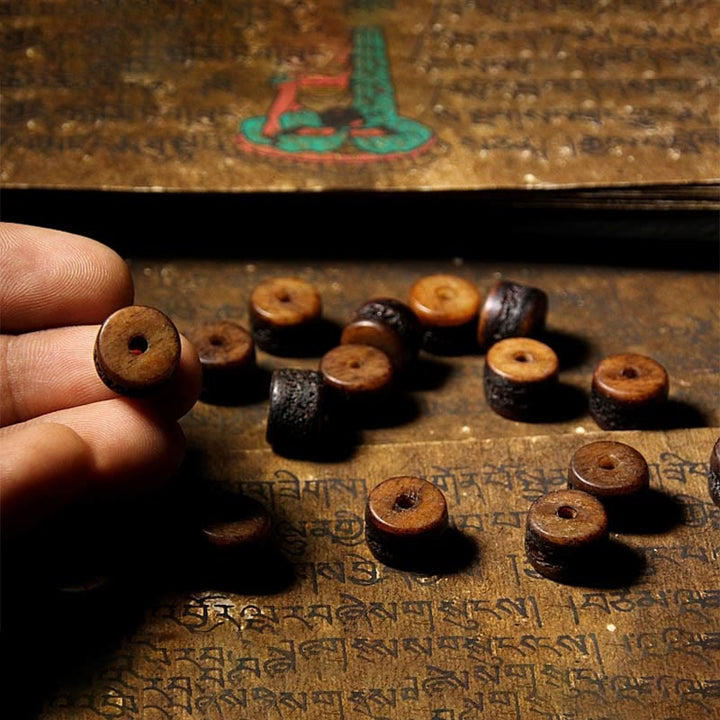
(373, 103)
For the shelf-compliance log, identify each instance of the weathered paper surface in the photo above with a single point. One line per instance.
(350, 638)
(359, 94)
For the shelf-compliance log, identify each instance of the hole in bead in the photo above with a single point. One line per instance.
(522, 357)
(216, 340)
(137, 345)
(445, 292)
(355, 364)
(630, 373)
(282, 295)
(607, 462)
(405, 501)
(566, 512)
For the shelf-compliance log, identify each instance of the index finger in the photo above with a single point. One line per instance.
(50, 278)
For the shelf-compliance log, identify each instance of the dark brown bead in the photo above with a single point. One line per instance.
(223, 346)
(520, 378)
(608, 469)
(285, 316)
(240, 525)
(234, 547)
(405, 518)
(389, 325)
(137, 349)
(360, 376)
(511, 310)
(227, 357)
(298, 417)
(564, 529)
(628, 391)
(447, 307)
(714, 473)
(617, 475)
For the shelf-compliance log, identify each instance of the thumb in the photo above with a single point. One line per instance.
(43, 467)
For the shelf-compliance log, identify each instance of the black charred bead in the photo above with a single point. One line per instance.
(389, 325)
(511, 309)
(298, 412)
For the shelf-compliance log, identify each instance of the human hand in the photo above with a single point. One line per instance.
(63, 434)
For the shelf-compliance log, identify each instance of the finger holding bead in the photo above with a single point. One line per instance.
(50, 278)
(53, 369)
(137, 354)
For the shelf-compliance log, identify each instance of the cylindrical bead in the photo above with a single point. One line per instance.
(520, 377)
(628, 391)
(563, 531)
(227, 357)
(235, 526)
(405, 518)
(137, 349)
(447, 307)
(608, 469)
(285, 316)
(511, 309)
(389, 325)
(234, 548)
(298, 418)
(360, 377)
(616, 474)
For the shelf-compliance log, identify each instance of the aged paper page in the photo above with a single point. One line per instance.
(360, 94)
(343, 637)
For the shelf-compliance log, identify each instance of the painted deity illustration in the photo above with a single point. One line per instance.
(347, 117)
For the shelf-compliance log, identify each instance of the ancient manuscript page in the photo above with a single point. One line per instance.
(361, 94)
